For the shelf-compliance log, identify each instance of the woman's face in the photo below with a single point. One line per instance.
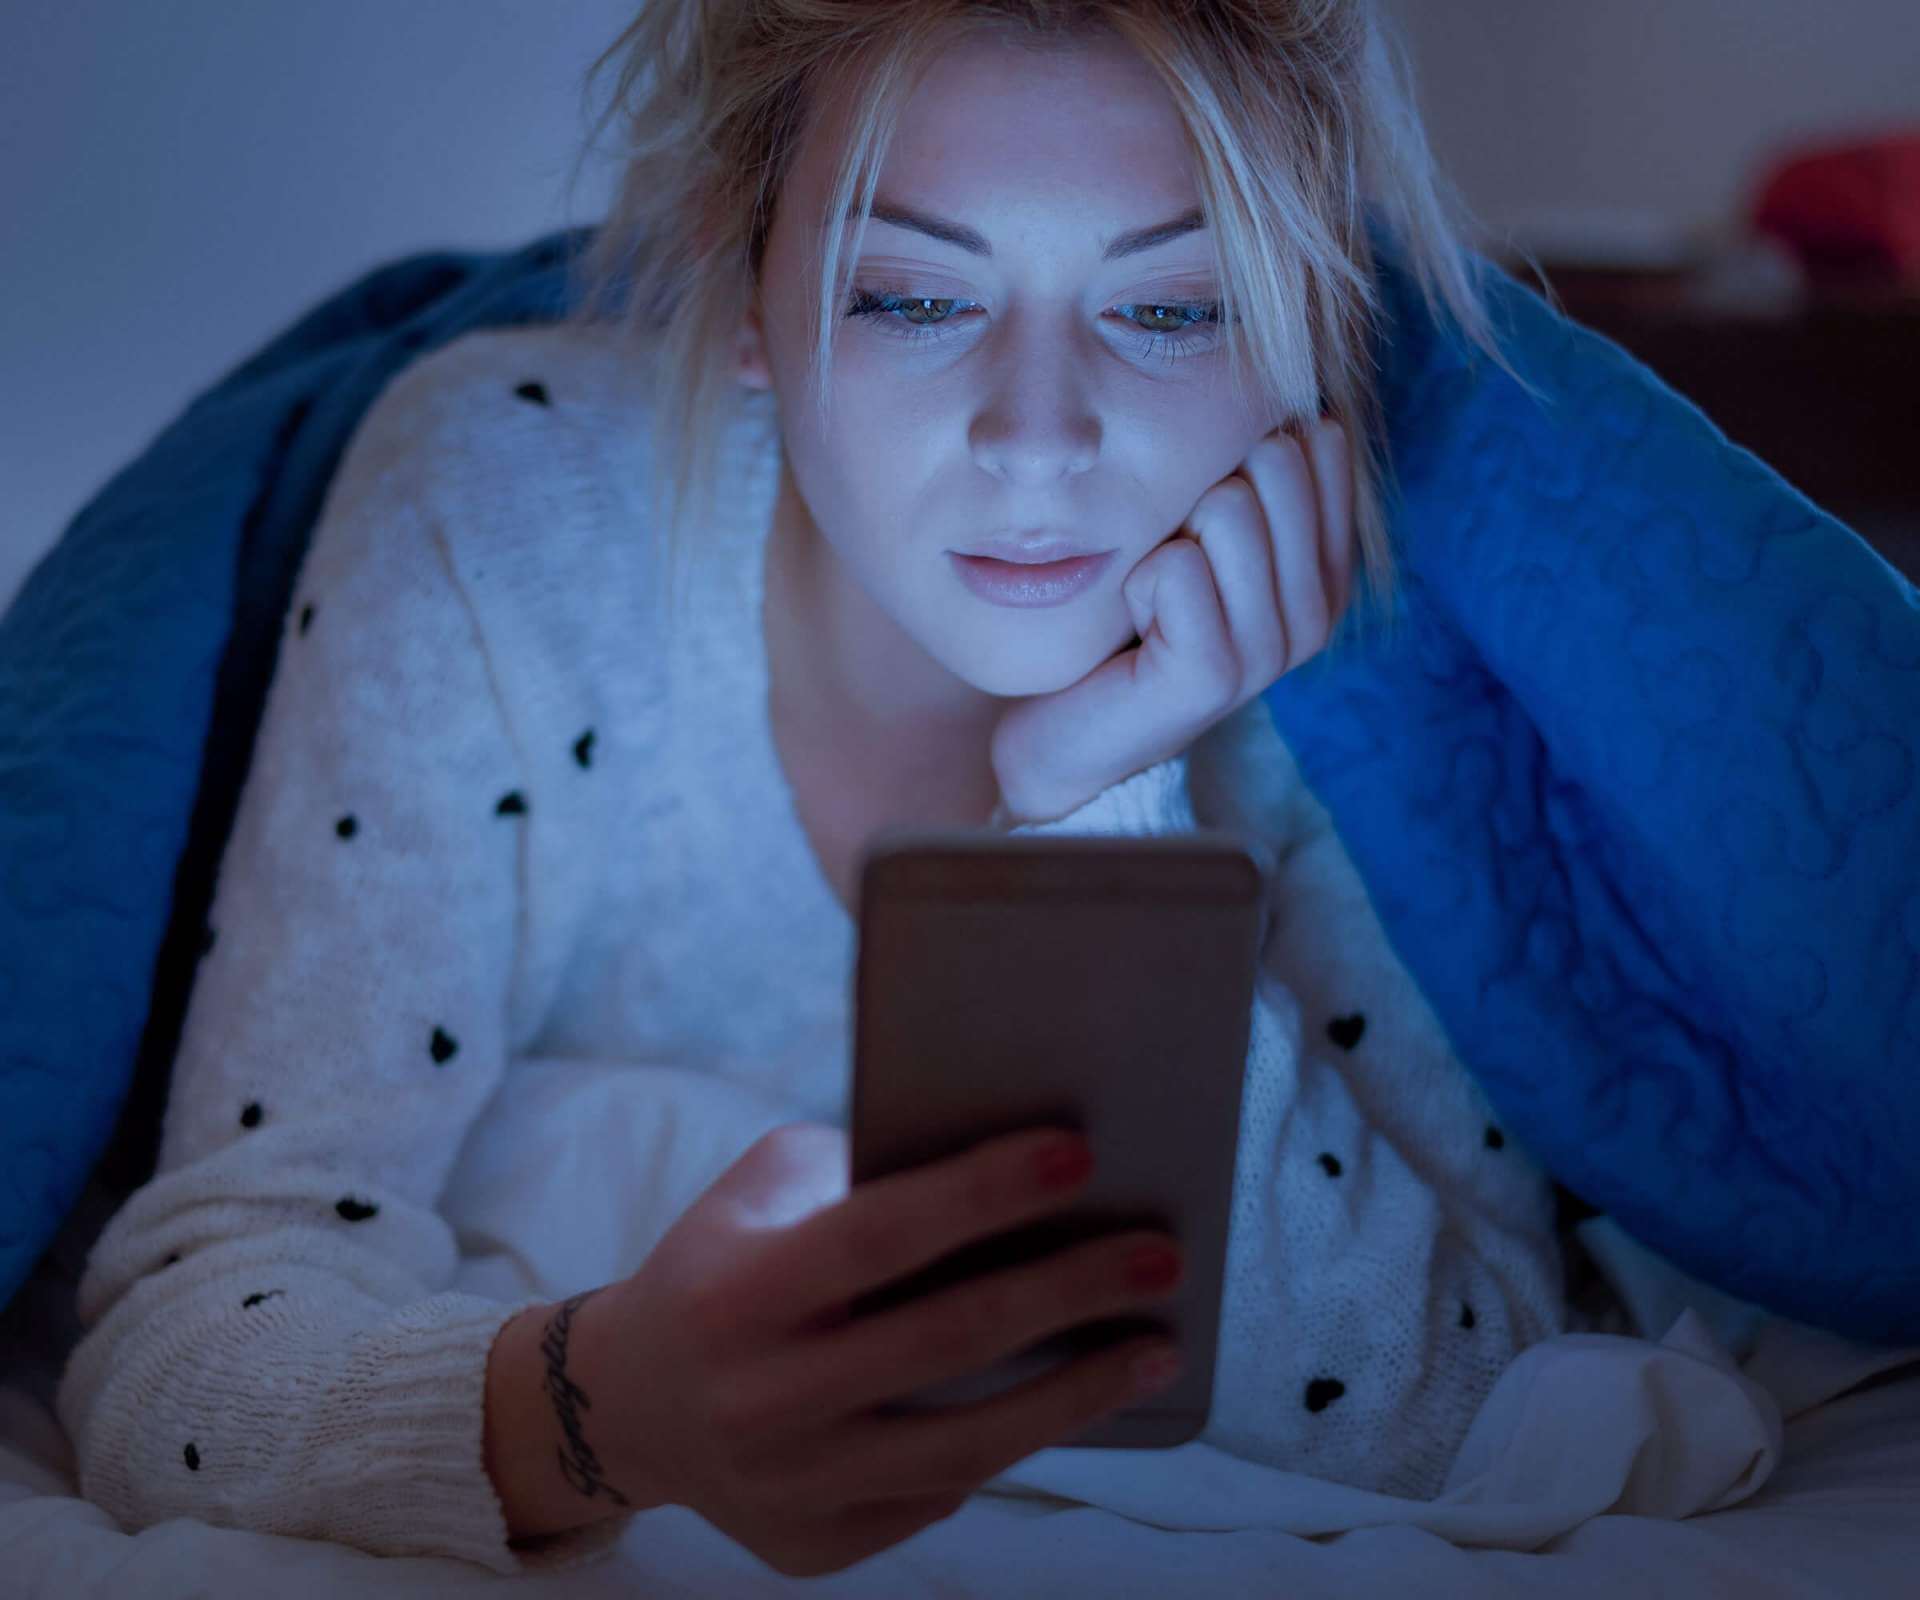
(1042, 390)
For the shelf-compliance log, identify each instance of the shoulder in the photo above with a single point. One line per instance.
(509, 448)
(501, 399)
(518, 371)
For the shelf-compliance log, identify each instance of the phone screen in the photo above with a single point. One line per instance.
(1103, 983)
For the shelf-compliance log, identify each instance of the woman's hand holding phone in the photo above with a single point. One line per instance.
(750, 1390)
(1253, 592)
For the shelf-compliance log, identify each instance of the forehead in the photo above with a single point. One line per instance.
(997, 128)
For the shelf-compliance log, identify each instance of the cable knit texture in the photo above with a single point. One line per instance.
(498, 814)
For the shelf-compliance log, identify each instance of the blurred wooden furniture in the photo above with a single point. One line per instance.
(1827, 393)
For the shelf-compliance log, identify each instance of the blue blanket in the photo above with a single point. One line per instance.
(1634, 790)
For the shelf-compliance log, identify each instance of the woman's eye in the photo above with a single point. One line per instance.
(912, 316)
(1169, 314)
(909, 307)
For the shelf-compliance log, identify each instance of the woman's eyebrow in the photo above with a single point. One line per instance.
(1132, 242)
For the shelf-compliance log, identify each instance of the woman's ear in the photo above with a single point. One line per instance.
(749, 356)
(750, 353)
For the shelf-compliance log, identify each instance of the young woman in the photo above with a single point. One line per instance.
(894, 299)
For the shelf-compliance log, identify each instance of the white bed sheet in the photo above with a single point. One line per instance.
(1733, 1454)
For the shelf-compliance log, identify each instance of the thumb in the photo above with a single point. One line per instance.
(788, 1173)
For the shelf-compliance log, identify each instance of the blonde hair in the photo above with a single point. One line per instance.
(1300, 115)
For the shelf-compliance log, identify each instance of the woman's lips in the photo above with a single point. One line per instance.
(1047, 583)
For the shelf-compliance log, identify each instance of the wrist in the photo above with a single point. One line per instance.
(546, 1451)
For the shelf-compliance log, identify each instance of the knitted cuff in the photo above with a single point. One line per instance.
(1152, 801)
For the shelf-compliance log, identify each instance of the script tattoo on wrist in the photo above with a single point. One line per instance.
(578, 1464)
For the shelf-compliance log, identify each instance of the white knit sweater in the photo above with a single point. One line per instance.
(492, 820)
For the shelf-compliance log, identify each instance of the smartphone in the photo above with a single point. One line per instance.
(1100, 983)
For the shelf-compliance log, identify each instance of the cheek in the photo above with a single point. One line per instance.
(1200, 457)
(882, 469)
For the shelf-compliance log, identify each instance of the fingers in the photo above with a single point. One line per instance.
(962, 1328)
(1330, 453)
(1230, 523)
(1274, 541)
(1307, 492)
(893, 1226)
(1279, 468)
(1175, 593)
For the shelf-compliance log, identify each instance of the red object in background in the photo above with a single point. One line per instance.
(1849, 212)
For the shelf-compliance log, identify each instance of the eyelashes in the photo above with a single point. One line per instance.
(880, 308)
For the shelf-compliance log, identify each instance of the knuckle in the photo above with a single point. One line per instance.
(1229, 497)
(1193, 555)
(1239, 491)
(780, 1145)
(1168, 555)
(784, 1136)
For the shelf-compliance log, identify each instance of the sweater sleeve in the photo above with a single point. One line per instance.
(269, 1338)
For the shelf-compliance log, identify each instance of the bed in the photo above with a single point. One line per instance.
(1663, 895)
(1683, 1454)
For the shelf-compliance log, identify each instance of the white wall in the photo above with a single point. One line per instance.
(180, 180)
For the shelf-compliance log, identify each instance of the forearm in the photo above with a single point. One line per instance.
(547, 1460)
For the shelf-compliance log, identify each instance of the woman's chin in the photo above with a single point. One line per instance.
(1023, 677)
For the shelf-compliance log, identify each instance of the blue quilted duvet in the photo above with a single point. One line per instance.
(1634, 789)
